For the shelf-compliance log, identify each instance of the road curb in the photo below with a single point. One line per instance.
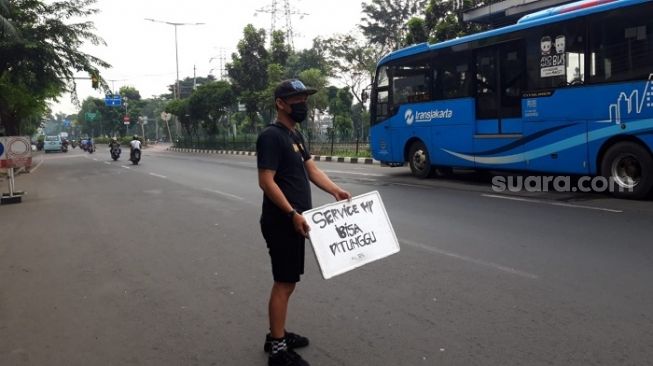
(333, 159)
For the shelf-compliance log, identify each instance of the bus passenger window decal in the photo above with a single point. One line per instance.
(553, 63)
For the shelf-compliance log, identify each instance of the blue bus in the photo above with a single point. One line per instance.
(567, 90)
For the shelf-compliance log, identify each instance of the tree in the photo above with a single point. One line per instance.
(179, 107)
(210, 104)
(417, 32)
(384, 21)
(312, 58)
(442, 22)
(353, 60)
(248, 71)
(187, 85)
(5, 25)
(314, 78)
(340, 104)
(39, 62)
(279, 50)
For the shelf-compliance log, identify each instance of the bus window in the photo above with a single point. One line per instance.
(486, 84)
(454, 75)
(621, 45)
(411, 84)
(556, 56)
(381, 97)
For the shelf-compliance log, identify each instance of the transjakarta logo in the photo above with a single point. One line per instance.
(426, 116)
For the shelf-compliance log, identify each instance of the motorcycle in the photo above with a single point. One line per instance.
(64, 148)
(73, 144)
(135, 156)
(90, 147)
(115, 153)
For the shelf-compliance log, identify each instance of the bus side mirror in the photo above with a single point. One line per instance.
(364, 96)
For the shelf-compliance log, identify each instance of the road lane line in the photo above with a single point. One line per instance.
(126, 167)
(354, 173)
(552, 203)
(224, 194)
(37, 166)
(95, 159)
(107, 163)
(158, 175)
(464, 258)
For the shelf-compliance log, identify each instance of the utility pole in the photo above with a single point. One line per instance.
(288, 12)
(177, 93)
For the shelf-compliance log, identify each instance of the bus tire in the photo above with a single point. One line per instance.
(419, 160)
(629, 167)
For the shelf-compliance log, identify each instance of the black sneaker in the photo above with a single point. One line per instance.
(293, 341)
(286, 358)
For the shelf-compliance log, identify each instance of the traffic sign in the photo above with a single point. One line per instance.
(113, 101)
(126, 119)
(16, 152)
(90, 116)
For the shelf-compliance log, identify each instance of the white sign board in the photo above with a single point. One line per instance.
(17, 152)
(348, 234)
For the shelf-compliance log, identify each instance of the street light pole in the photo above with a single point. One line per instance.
(177, 92)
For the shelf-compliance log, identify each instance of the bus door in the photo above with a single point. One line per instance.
(500, 81)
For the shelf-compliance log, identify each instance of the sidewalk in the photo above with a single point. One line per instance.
(335, 159)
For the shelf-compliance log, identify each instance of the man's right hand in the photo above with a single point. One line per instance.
(300, 224)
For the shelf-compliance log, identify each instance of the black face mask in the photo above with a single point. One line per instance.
(299, 111)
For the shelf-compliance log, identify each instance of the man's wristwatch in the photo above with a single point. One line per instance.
(291, 213)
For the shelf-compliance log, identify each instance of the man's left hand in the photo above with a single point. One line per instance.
(341, 194)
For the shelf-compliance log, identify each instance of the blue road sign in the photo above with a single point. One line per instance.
(66, 123)
(113, 101)
(2, 149)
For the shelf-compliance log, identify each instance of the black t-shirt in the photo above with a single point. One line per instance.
(284, 151)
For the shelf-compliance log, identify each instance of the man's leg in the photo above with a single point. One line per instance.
(278, 307)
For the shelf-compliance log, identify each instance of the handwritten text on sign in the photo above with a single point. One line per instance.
(346, 235)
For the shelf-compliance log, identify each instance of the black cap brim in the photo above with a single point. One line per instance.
(307, 91)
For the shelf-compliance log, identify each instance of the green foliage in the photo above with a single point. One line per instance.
(38, 63)
(312, 58)
(353, 60)
(187, 85)
(210, 103)
(279, 51)
(385, 21)
(130, 93)
(442, 23)
(248, 71)
(417, 32)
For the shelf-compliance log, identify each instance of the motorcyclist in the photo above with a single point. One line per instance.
(114, 143)
(135, 144)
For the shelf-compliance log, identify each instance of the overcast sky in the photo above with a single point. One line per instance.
(142, 53)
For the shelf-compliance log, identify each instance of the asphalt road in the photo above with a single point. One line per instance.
(105, 263)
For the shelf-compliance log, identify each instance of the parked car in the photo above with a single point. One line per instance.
(52, 143)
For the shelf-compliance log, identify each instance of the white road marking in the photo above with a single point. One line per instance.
(126, 167)
(158, 175)
(355, 173)
(107, 163)
(552, 203)
(37, 166)
(224, 194)
(470, 259)
(409, 185)
(95, 159)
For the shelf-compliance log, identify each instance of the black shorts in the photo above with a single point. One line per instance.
(286, 248)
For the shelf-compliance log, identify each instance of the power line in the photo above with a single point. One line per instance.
(287, 12)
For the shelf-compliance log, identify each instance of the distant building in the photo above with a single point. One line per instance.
(507, 12)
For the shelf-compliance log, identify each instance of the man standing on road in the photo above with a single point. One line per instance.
(284, 170)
